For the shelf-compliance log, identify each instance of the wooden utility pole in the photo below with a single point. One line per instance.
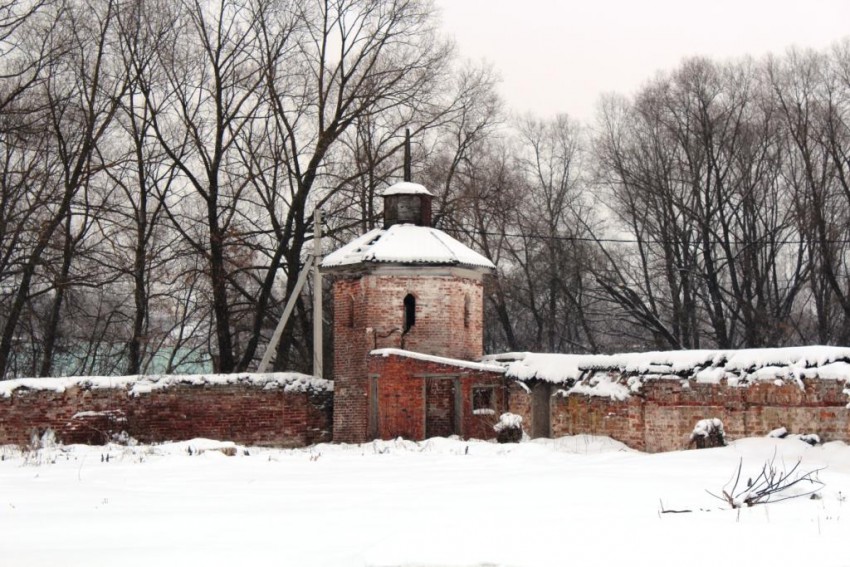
(317, 294)
(312, 264)
(287, 311)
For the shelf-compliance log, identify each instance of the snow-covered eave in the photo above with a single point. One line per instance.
(370, 264)
(143, 384)
(406, 188)
(405, 245)
(484, 367)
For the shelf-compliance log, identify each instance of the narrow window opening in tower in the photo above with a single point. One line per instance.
(350, 314)
(466, 313)
(409, 312)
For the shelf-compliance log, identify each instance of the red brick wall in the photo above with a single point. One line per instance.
(519, 402)
(439, 328)
(369, 314)
(623, 421)
(672, 410)
(401, 398)
(350, 351)
(242, 413)
(662, 417)
(402, 385)
(481, 426)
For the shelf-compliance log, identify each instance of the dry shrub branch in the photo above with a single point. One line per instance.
(773, 484)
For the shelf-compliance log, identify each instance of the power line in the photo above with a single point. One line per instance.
(567, 238)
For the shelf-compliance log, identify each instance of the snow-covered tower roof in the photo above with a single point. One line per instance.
(406, 244)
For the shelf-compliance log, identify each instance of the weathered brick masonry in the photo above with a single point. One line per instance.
(412, 396)
(410, 287)
(519, 402)
(369, 315)
(417, 398)
(240, 411)
(663, 415)
(623, 421)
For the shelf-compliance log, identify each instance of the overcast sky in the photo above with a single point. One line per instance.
(560, 55)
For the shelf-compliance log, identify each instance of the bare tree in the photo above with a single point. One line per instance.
(24, 57)
(80, 97)
(694, 172)
(209, 95)
(359, 60)
(550, 252)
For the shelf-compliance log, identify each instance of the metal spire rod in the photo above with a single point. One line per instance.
(407, 173)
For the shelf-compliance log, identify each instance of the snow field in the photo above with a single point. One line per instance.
(442, 502)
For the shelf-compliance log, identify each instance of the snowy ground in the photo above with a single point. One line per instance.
(576, 500)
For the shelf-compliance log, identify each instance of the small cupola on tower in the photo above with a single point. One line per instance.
(407, 203)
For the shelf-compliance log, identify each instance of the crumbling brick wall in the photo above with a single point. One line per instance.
(672, 408)
(519, 403)
(350, 353)
(662, 416)
(244, 413)
(574, 415)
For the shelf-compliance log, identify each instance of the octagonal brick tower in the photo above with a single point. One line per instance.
(408, 286)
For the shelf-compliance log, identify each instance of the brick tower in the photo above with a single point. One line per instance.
(407, 286)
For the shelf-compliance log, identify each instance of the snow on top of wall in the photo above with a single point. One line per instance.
(288, 381)
(439, 359)
(560, 368)
(406, 244)
(834, 371)
(601, 375)
(601, 385)
(406, 188)
(710, 365)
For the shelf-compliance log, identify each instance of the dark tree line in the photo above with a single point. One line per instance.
(729, 179)
(160, 163)
(710, 210)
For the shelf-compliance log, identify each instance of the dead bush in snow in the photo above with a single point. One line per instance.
(773, 484)
(708, 433)
(41, 449)
(509, 428)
